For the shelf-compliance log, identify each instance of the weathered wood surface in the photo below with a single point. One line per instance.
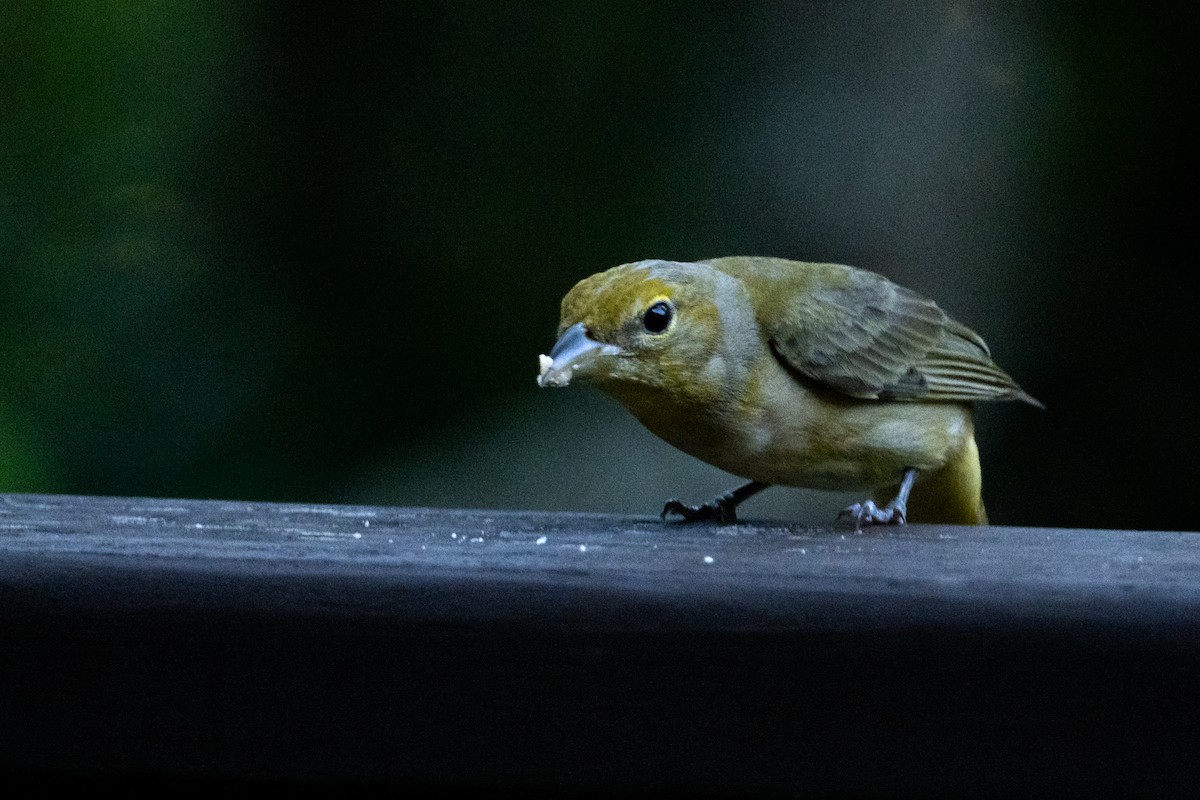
(204, 639)
(588, 571)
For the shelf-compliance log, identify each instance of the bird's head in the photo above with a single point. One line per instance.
(658, 325)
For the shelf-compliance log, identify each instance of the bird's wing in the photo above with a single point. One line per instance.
(870, 338)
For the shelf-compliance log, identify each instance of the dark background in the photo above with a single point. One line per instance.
(270, 251)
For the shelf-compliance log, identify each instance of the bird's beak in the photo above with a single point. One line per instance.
(574, 350)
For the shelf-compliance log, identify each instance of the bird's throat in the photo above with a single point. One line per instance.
(695, 425)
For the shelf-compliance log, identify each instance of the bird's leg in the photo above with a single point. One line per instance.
(894, 513)
(723, 509)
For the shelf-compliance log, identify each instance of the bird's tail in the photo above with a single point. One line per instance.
(953, 494)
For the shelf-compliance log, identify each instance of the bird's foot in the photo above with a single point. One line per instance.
(867, 513)
(723, 510)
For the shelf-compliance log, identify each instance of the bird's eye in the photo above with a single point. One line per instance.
(657, 317)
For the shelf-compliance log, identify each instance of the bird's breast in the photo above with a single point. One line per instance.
(777, 430)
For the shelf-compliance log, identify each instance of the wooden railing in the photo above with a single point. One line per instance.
(179, 641)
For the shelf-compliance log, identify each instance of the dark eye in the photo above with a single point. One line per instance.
(657, 317)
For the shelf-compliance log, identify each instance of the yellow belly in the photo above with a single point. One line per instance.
(780, 431)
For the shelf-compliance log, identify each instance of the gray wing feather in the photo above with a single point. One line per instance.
(873, 339)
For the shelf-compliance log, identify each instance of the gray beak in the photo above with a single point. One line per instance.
(573, 350)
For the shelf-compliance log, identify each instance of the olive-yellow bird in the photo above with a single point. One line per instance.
(784, 372)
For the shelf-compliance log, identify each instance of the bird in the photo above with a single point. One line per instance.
(814, 375)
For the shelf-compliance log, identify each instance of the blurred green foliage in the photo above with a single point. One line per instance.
(268, 250)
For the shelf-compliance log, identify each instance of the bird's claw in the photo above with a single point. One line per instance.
(867, 513)
(723, 512)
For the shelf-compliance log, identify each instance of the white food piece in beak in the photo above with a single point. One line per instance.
(545, 362)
